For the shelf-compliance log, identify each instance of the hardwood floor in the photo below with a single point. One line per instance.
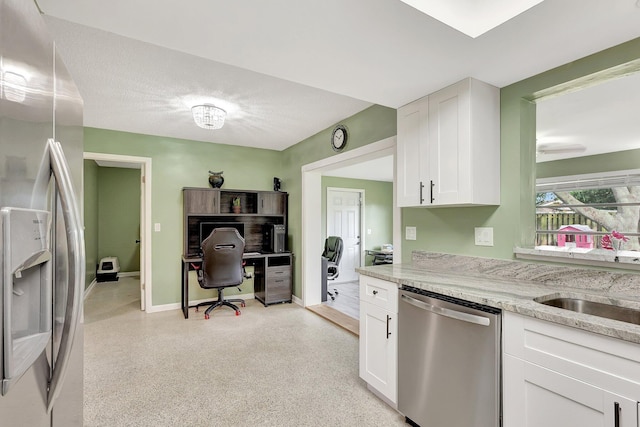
(347, 300)
(346, 322)
(344, 310)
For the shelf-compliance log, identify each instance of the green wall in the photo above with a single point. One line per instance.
(119, 216)
(378, 209)
(90, 219)
(178, 163)
(371, 125)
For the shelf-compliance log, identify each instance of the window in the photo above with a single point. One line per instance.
(584, 213)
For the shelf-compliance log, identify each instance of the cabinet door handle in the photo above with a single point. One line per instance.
(388, 319)
(421, 198)
(432, 185)
(616, 414)
(374, 292)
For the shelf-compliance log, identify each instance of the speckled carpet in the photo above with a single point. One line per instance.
(275, 366)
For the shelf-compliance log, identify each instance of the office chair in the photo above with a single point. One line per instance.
(222, 266)
(333, 253)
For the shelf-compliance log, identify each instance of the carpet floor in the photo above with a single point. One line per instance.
(276, 366)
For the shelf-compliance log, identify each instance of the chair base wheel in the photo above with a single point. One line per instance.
(206, 316)
(243, 305)
(238, 313)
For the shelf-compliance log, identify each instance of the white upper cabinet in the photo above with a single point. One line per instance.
(449, 147)
(412, 152)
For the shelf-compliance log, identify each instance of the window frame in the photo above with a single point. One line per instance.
(596, 256)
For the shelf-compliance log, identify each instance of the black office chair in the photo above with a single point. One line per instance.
(222, 266)
(333, 253)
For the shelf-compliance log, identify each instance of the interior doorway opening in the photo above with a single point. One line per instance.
(312, 231)
(144, 164)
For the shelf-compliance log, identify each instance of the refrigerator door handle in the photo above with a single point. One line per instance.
(75, 241)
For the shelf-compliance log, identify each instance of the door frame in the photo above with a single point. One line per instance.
(312, 242)
(146, 302)
(361, 213)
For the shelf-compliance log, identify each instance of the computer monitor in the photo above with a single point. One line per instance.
(206, 228)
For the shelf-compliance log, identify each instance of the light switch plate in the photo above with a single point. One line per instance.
(156, 226)
(410, 233)
(484, 236)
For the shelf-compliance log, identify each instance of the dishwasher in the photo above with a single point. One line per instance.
(448, 361)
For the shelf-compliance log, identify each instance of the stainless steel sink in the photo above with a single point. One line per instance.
(623, 314)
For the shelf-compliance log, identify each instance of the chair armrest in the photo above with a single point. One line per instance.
(332, 270)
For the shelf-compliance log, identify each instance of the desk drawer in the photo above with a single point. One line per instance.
(278, 284)
(379, 292)
(278, 272)
(278, 289)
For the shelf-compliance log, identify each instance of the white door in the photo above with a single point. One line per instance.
(343, 220)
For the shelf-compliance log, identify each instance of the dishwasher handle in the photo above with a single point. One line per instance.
(447, 312)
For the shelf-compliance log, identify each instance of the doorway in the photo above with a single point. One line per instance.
(144, 164)
(312, 231)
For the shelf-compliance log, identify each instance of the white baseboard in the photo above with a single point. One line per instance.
(178, 306)
(296, 300)
(89, 288)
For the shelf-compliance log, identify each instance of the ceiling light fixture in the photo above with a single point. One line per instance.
(208, 116)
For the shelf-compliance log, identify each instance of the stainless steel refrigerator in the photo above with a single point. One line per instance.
(41, 235)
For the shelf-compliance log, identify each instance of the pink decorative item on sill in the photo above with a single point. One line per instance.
(613, 241)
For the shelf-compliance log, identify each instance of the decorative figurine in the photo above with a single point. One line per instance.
(276, 183)
(215, 179)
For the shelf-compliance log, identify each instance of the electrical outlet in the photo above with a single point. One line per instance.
(410, 233)
(484, 236)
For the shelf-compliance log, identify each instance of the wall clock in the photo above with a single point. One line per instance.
(339, 138)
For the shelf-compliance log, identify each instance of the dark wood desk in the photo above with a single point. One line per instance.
(271, 278)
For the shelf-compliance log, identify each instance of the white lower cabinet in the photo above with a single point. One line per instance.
(555, 376)
(379, 336)
(535, 396)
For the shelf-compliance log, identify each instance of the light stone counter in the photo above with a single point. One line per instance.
(513, 285)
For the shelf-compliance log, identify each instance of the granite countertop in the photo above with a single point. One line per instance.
(513, 285)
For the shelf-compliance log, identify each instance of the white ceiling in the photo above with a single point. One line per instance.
(287, 69)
